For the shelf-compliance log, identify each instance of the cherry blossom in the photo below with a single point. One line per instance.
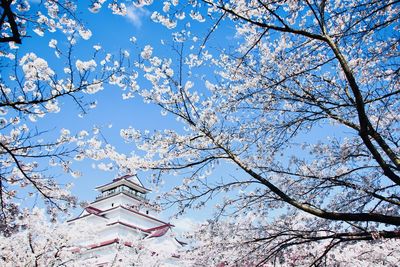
(303, 104)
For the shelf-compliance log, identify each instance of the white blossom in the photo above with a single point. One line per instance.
(146, 52)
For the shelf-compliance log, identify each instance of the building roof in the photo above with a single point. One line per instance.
(154, 232)
(127, 225)
(133, 178)
(138, 198)
(102, 213)
(127, 180)
(143, 215)
(160, 231)
(133, 211)
(104, 243)
(90, 211)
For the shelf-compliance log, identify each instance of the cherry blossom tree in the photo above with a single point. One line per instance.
(134, 251)
(241, 242)
(31, 87)
(305, 106)
(20, 19)
(42, 243)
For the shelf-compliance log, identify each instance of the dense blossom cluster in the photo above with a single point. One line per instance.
(231, 242)
(42, 243)
(39, 242)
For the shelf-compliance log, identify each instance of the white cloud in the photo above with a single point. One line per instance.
(135, 15)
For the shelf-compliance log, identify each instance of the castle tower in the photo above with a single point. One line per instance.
(122, 214)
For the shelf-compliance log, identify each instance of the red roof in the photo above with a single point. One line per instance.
(112, 241)
(136, 212)
(104, 243)
(159, 227)
(92, 210)
(109, 242)
(128, 225)
(154, 232)
(100, 213)
(160, 231)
